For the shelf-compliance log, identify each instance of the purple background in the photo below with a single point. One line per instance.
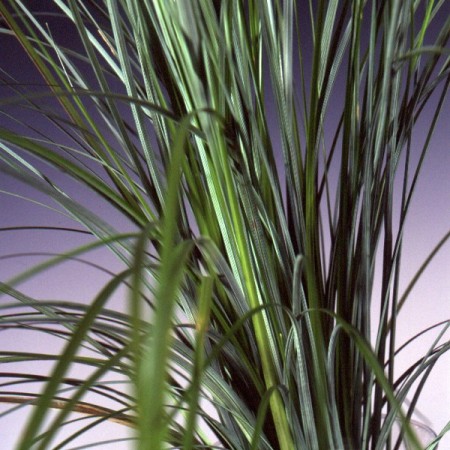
(429, 220)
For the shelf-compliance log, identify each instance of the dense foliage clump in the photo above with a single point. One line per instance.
(248, 155)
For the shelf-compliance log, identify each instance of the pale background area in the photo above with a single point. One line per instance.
(428, 304)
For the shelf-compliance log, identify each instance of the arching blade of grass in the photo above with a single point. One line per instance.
(65, 361)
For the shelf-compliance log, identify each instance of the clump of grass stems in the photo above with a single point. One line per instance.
(249, 248)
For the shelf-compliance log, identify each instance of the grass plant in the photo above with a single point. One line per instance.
(259, 161)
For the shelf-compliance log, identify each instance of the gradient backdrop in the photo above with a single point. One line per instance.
(429, 220)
